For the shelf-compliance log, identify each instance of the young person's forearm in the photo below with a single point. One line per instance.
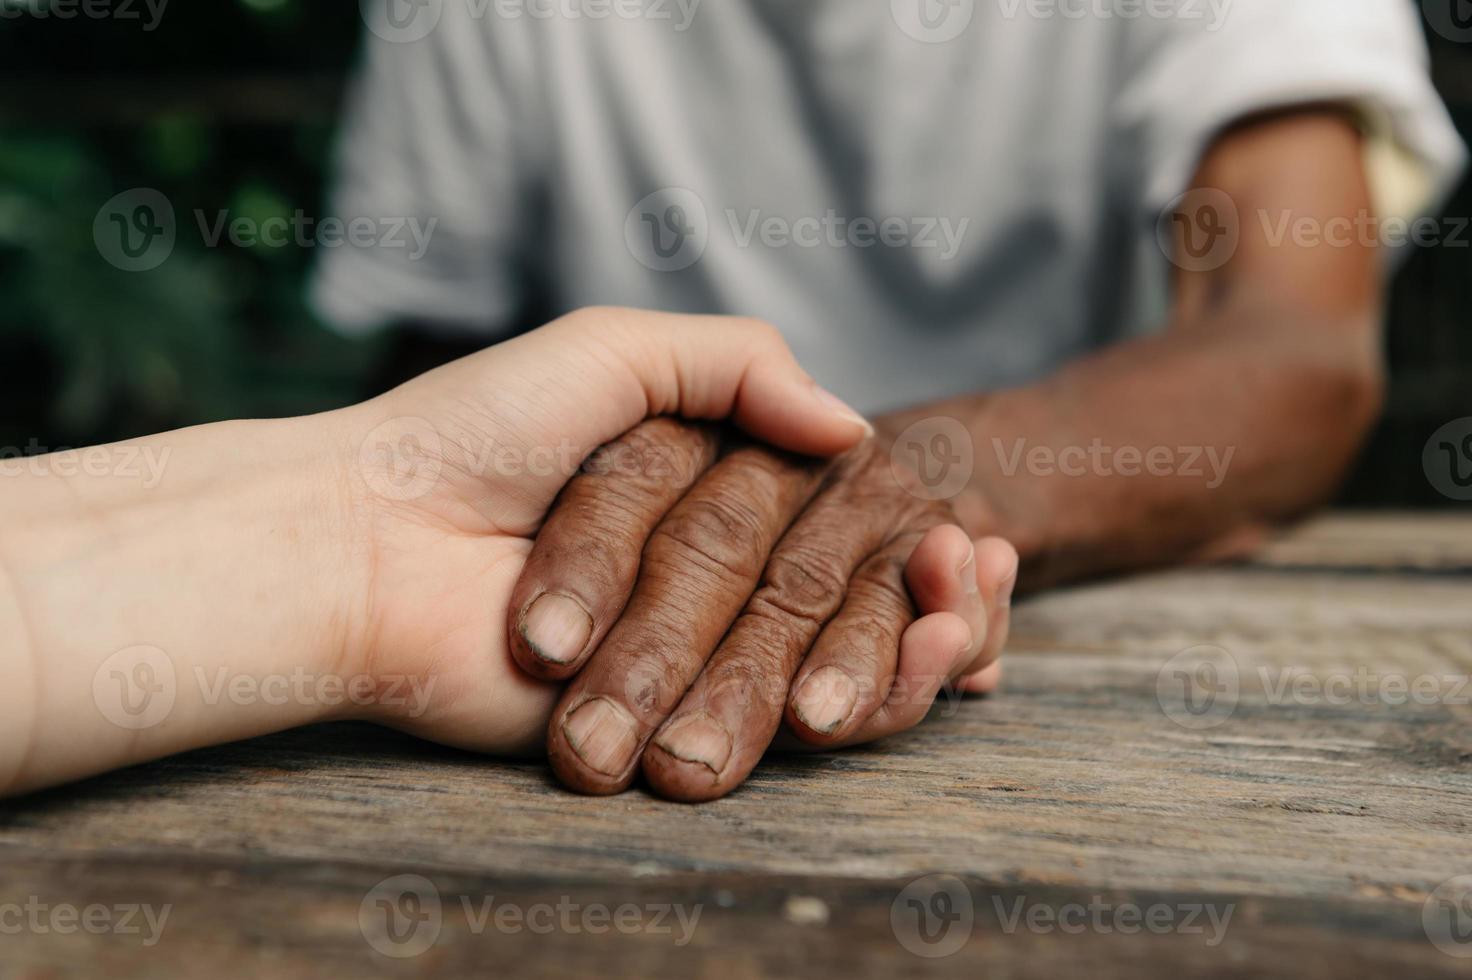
(1152, 450)
(150, 588)
(241, 578)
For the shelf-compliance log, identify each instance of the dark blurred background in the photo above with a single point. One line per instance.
(231, 105)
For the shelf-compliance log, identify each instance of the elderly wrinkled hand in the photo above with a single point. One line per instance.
(698, 588)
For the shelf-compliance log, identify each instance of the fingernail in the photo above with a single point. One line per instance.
(556, 628)
(825, 700)
(698, 738)
(602, 734)
(841, 407)
(967, 571)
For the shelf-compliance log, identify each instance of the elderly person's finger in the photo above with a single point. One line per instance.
(981, 594)
(726, 720)
(997, 566)
(924, 669)
(852, 666)
(583, 566)
(699, 569)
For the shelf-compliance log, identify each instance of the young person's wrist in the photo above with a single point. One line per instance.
(174, 592)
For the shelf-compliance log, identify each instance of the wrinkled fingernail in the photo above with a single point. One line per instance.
(556, 628)
(841, 407)
(603, 736)
(825, 700)
(698, 738)
(967, 572)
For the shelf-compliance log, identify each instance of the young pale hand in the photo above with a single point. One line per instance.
(459, 467)
(379, 542)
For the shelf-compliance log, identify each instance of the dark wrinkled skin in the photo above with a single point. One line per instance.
(755, 565)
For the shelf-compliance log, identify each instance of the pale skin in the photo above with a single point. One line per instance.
(1269, 362)
(272, 550)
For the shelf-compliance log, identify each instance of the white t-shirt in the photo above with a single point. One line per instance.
(928, 197)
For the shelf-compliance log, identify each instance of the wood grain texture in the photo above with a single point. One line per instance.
(1322, 809)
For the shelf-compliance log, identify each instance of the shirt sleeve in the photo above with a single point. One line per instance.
(1189, 75)
(428, 147)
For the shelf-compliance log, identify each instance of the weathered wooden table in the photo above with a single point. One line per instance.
(1261, 769)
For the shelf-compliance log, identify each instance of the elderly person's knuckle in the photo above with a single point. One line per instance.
(804, 583)
(869, 637)
(714, 533)
(883, 578)
(606, 560)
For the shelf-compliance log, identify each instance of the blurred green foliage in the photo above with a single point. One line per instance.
(94, 353)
